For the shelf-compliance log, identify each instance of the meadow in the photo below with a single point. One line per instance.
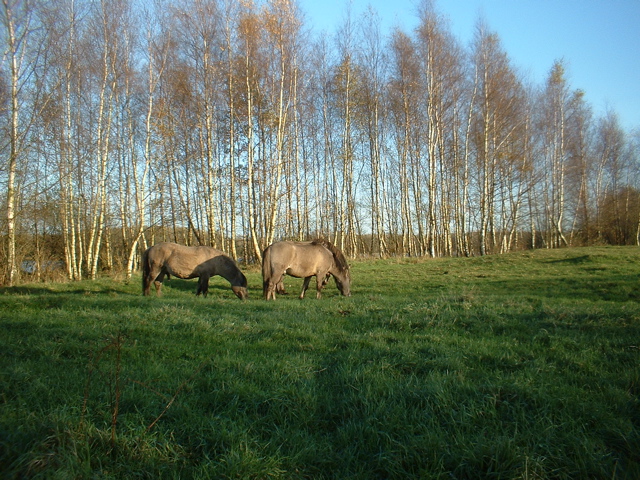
(524, 365)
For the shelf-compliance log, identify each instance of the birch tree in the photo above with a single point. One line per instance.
(157, 42)
(441, 76)
(249, 32)
(496, 121)
(230, 38)
(554, 123)
(19, 59)
(405, 94)
(344, 82)
(105, 47)
(369, 100)
(67, 137)
(580, 167)
(282, 27)
(610, 147)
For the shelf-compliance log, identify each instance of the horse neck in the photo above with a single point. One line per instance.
(232, 274)
(339, 262)
(337, 272)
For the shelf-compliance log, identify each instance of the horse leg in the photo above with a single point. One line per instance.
(150, 276)
(280, 290)
(271, 286)
(146, 285)
(305, 285)
(321, 281)
(269, 290)
(157, 281)
(203, 285)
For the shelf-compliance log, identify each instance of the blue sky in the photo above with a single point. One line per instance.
(599, 40)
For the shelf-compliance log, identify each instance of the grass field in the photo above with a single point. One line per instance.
(525, 365)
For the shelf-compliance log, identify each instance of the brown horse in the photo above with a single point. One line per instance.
(304, 260)
(190, 262)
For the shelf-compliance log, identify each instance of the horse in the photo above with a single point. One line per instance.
(190, 262)
(317, 258)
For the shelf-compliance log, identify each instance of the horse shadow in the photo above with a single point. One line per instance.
(27, 290)
(191, 285)
(572, 261)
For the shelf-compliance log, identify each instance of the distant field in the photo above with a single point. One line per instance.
(525, 365)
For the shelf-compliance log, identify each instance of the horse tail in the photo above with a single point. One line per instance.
(146, 270)
(266, 270)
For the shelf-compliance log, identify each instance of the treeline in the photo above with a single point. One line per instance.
(230, 123)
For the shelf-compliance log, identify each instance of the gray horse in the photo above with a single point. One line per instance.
(165, 259)
(318, 258)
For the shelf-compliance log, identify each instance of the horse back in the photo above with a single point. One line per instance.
(180, 260)
(297, 258)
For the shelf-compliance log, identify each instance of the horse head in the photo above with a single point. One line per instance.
(239, 285)
(343, 282)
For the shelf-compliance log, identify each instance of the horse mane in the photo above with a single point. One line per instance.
(338, 256)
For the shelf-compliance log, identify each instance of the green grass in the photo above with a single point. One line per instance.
(525, 365)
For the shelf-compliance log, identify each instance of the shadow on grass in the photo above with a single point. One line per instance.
(122, 288)
(572, 261)
(217, 286)
(618, 288)
(30, 290)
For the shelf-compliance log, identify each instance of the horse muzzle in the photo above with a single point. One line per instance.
(241, 292)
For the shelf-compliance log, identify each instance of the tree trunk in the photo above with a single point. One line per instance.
(12, 269)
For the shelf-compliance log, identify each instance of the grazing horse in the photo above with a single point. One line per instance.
(318, 258)
(190, 262)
